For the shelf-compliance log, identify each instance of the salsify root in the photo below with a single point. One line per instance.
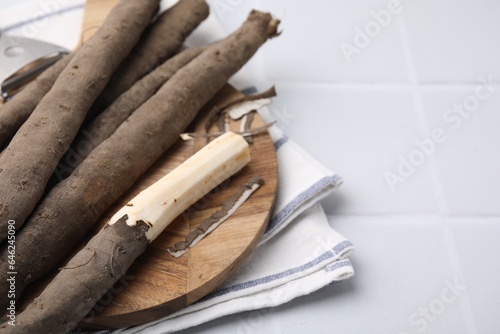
(16, 111)
(161, 40)
(109, 120)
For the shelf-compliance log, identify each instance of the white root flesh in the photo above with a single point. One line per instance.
(162, 202)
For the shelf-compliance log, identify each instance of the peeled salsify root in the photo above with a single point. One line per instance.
(109, 254)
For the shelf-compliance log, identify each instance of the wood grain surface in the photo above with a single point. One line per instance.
(158, 284)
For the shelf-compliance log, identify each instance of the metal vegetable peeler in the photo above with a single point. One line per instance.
(22, 59)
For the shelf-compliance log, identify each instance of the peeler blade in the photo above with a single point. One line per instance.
(22, 59)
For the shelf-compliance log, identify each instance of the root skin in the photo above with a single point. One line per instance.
(88, 275)
(161, 41)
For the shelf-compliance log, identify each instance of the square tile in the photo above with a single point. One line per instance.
(359, 133)
(453, 41)
(399, 281)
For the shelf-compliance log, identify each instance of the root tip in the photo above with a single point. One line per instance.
(273, 28)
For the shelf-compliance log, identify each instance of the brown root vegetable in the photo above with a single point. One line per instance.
(74, 205)
(31, 157)
(161, 41)
(107, 256)
(109, 120)
(17, 110)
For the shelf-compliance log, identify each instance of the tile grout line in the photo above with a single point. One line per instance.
(451, 248)
(377, 85)
(438, 188)
(424, 124)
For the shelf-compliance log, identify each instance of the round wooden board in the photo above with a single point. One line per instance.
(158, 284)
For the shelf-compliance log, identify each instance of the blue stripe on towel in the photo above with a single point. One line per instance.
(307, 194)
(249, 90)
(336, 250)
(41, 17)
(280, 142)
(337, 265)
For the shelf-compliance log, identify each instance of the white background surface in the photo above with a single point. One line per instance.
(440, 226)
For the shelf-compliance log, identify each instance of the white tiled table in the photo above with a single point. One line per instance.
(439, 228)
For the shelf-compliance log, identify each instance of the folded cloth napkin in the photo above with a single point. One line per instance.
(299, 252)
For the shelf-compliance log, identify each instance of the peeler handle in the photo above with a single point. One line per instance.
(22, 59)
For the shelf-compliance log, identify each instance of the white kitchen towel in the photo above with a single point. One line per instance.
(299, 252)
